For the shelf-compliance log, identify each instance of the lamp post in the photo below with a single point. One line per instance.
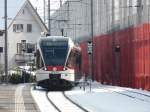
(60, 3)
(49, 19)
(90, 45)
(6, 55)
(44, 2)
(90, 52)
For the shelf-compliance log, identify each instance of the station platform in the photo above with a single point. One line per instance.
(17, 98)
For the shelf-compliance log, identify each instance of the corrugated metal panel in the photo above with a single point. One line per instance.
(85, 59)
(96, 58)
(99, 63)
(133, 58)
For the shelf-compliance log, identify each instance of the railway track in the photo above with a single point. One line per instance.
(146, 95)
(132, 94)
(62, 103)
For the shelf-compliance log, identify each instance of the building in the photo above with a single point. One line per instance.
(24, 29)
(121, 38)
(72, 19)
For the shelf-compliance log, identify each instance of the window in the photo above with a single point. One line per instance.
(1, 49)
(1, 33)
(17, 27)
(30, 47)
(23, 45)
(19, 48)
(29, 27)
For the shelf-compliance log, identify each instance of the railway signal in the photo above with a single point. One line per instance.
(90, 45)
(90, 51)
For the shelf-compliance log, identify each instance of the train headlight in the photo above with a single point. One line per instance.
(45, 69)
(54, 69)
(65, 68)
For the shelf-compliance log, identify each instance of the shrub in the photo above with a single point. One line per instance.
(15, 78)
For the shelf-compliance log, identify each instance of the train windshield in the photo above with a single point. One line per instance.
(54, 52)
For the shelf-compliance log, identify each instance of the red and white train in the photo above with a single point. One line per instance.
(58, 61)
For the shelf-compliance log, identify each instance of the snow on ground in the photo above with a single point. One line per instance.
(39, 95)
(101, 98)
(62, 103)
(105, 98)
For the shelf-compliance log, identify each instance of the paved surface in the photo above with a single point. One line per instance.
(17, 98)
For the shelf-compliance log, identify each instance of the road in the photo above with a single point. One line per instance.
(17, 98)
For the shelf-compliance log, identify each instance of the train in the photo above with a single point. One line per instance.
(58, 62)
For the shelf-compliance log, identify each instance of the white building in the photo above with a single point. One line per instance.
(24, 29)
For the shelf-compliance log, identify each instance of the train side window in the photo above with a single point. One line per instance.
(71, 60)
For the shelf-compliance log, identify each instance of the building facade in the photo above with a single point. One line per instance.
(23, 32)
(121, 38)
(74, 17)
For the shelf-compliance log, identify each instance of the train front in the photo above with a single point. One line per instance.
(54, 52)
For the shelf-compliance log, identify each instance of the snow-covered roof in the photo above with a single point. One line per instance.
(13, 6)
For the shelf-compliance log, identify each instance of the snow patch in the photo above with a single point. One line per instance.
(40, 98)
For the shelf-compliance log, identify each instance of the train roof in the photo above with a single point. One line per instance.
(54, 38)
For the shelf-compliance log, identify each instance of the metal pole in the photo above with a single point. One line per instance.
(62, 30)
(90, 66)
(49, 19)
(6, 55)
(24, 68)
(92, 36)
(92, 20)
(44, 10)
(113, 13)
(30, 62)
(60, 3)
(139, 11)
